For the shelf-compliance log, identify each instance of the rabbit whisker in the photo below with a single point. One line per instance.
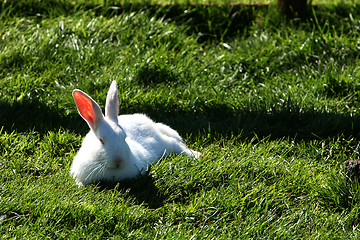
(98, 168)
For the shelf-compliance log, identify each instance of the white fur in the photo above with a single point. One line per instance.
(131, 143)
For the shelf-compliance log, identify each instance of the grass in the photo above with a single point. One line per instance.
(272, 105)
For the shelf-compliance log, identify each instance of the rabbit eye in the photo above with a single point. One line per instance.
(101, 140)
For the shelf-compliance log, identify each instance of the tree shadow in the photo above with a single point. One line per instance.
(205, 119)
(206, 21)
(32, 114)
(220, 120)
(212, 22)
(152, 74)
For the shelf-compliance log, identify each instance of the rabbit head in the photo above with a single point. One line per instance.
(105, 144)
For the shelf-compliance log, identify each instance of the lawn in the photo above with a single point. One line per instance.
(271, 104)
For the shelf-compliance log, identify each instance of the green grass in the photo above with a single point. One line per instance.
(272, 105)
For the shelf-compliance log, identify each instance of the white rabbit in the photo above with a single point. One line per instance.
(120, 147)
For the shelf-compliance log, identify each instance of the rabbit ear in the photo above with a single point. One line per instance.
(88, 109)
(112, 103)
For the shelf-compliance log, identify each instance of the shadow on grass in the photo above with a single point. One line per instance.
(205, 21)
(32, 114)
(220, 120)
(152, 74)
(203, 120)
(142, 189)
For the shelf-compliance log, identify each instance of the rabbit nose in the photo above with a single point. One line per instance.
(117, 162)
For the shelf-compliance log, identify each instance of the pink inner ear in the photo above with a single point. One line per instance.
(84, 105)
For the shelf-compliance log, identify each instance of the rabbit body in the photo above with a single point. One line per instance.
(120, 147)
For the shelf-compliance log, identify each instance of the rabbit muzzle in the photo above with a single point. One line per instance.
(117, 163)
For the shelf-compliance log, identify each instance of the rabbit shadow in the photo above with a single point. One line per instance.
(142, 189)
